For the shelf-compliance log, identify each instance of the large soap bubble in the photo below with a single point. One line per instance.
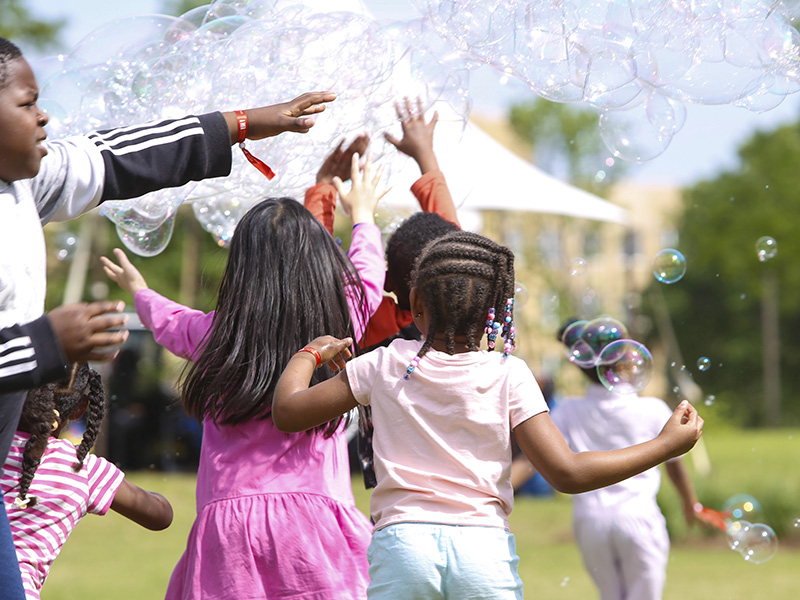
(608, 53)
(242, 54)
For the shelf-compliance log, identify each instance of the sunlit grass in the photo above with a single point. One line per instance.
(110, 557)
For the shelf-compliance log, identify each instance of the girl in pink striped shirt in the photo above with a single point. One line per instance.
(48, 484)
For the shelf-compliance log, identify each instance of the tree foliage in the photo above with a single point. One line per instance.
(20, 26)
(716, 307)
(566, 142)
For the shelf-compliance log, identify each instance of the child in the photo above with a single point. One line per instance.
(443, 412)
(42, 182)
(393, 318)
(49, 484)
(276, 516)
(620, 530)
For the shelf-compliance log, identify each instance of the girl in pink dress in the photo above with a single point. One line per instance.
(276, 516)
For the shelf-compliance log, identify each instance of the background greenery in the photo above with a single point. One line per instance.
(111, 557)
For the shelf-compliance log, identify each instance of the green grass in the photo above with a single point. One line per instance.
(111, 557)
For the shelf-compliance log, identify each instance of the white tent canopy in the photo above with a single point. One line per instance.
(482, 174)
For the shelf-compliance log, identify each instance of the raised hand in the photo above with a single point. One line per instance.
(362, 198)
(84, 329)
(337, 163)
(417, 141)
(124, 274)
(295, 115)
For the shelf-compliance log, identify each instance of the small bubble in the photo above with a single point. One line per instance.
(710, 399)
(766, 248)
(577, 267)
(610, 162)
(600, 176)
(669, 266)
(565, 582)
(703, 363)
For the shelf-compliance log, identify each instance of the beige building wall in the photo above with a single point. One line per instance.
(583, 268)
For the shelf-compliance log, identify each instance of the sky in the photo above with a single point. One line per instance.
(704, 147)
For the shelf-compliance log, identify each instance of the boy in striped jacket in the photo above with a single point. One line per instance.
(57, 181)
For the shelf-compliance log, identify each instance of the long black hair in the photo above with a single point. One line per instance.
(48, 406)
(286, 282)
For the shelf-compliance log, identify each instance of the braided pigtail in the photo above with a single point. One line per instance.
(460, 278)
(95, 411)
(41, 418)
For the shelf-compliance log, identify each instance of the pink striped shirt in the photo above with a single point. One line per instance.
(64, 498)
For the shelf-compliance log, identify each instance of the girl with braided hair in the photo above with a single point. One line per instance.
(444, 410)
(48, 484)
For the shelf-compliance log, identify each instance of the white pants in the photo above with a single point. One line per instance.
(626, 555)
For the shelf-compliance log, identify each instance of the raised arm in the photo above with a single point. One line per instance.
(148, 509)
(431, 189)
(576, 472)
(267, 121)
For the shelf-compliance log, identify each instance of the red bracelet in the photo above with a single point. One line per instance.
(311, 350)
(241, 127)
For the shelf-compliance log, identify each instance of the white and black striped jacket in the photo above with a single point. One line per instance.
(77, 175)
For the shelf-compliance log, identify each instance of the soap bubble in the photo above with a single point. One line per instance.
(625, 366)
(742, 507)
(759, 544)
(521, 295)
(669, 266)
(736, 533)
(609, 55)
(147, 243)
(229, 55)
(600, 332)
(576, 348)
(703, 363)
(66, 242)
(766, 248)
(577, 267)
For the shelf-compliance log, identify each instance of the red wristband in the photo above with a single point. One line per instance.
(241, 126)
(312, 351)
(241, 123)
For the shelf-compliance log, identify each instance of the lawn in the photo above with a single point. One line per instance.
(110, 557)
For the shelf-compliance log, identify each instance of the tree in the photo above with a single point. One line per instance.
(20, 26)
(566, 142)
(728, 302)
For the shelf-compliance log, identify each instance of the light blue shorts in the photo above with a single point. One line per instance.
(427, 561)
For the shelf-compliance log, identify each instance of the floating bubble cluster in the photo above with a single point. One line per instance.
(243, 54)
(637, 61)
(756, 542)
(623, 365)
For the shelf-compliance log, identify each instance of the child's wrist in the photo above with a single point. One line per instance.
(313, 352)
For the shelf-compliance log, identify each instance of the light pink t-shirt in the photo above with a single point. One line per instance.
(442, 440)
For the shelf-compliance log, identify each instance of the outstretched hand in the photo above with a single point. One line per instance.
(124, 274)
(362, 198)
(417, 139)
(83, 329)
(337, 163)
(295, 115)
(683, 429)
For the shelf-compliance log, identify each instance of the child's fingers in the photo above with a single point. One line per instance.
(378, 174)
(339, 185)
(367, 166)
(435, 118)
(354, 166)
(391, 139)
(420, 109)
(409, 112)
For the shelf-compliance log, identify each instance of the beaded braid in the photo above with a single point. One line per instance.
(46, 408)
(459, 278)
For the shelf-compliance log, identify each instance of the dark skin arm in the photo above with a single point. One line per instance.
(267, 121)
(148, 509)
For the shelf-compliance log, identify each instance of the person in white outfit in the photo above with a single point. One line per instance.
(620, 530)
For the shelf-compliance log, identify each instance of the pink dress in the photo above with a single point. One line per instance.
(276, 516)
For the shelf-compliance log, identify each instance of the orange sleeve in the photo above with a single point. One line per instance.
(387, 321)
(320, 200)
(434, 196)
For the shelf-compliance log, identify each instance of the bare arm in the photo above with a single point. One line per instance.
(576, 472)
(296, 115)
(85, 331)
(148, 509)
(295, 406)
(679, 475)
